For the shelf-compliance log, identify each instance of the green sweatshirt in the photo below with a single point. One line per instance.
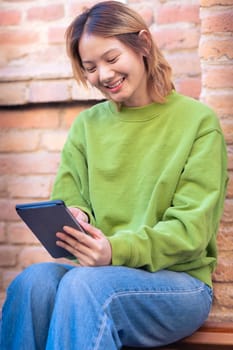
(152, 178)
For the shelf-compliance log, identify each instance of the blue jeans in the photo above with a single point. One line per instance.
(58, 307)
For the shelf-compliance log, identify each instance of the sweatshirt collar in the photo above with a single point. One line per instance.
(139, 114)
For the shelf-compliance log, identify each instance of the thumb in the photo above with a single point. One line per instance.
(78, 214)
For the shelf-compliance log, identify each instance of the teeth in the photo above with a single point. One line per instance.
(115, 85)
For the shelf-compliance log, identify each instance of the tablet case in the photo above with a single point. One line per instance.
(45, 219)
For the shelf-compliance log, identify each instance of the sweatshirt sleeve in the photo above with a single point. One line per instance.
(71, 182)
(186, 234)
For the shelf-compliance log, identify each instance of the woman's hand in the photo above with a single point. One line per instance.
(92, 249)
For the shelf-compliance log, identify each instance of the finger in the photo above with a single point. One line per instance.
(73, 246)
(92, 231)
(81, 252)
(70, 239)
(68, 248)
(73, 234)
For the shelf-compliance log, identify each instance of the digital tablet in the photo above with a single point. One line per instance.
(45, 219)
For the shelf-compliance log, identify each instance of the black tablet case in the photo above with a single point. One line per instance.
(45, 219)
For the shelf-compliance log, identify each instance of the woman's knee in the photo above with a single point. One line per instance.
(38, 276)
(85, 280)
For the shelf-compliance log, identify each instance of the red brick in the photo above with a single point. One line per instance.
(18, 141)
(11, 53)
(219, 312)
(19, 233)
(176, 38)
(29, 186)
(169, 13)
(208, 3)
(230, 186)
(224, 271)
(53, 141)
(31, 255)
(18, 37)
(184, 63)
(46, 13)
(218, 22)
(38, 70)
(2, 232)
(218, 76)
(147, 15)
(189, 86)
(230, 157)
(228, 211)
(50, 56)
(145, 10)
(9, 17)
(71, 113)
(76, 7)
(7, 210)
(2, 298)
(227, 127)
(30, 117)
(9, 276)
(3, 187)
(29, 163)
(0, 278)
(225, 237)
(221, 102)
(215, 48)
(48, 91)
(223, 293)
(8, 255)
(13, 93)
(80, 93)
(56, 35)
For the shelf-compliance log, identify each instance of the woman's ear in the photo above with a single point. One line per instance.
(145, 38)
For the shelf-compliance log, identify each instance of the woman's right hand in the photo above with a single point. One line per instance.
(79, 214)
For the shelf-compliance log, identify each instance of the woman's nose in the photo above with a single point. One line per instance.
(105, 74)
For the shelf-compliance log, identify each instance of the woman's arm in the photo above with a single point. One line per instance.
(185, 237)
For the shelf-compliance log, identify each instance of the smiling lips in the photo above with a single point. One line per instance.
(115, 87)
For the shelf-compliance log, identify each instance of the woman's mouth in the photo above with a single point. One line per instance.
(115, 86)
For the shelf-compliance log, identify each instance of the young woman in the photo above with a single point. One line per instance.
(145, 173)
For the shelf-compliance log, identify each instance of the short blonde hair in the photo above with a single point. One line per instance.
(114, 19)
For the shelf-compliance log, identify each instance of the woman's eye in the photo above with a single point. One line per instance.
(90, 69)
(112, 60)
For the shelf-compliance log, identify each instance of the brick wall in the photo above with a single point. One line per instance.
(33, 63)
(39, 100)
(216, 55)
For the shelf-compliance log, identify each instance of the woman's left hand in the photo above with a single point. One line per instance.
(92, 249)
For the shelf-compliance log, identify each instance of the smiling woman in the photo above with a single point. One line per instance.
(106, 66)
(122, 29)
(145, 174)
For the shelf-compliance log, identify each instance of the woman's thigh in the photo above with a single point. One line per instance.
(28, 306)
(147, 309)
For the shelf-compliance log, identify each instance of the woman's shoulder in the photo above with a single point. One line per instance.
(98, 110)
(190, 110)
(89, 120)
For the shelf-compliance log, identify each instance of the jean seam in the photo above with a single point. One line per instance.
(101, 331)
(131, 292)
(127, 293)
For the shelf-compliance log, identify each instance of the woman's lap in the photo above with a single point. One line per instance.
(107, 305)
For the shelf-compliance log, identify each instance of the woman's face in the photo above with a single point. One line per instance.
(115, 69)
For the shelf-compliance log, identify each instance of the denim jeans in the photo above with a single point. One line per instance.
(58, 307)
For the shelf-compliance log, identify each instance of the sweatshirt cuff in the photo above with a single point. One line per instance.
(121, 250)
